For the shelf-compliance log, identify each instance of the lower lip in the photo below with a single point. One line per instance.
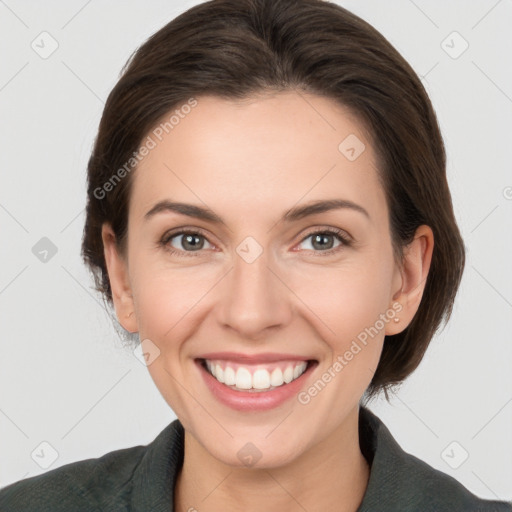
(254, 400)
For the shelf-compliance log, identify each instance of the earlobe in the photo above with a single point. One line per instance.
(414, 273)
(117, 268)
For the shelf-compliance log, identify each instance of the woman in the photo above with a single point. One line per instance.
(268, 212)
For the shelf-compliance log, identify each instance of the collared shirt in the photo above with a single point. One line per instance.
(142, 479)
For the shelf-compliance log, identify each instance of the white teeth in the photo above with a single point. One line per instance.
(219, 373)
(243, 378)
(229, 376)
(288, 374)
(261, 379)
(276, 379)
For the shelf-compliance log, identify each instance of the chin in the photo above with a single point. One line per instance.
(257, 452)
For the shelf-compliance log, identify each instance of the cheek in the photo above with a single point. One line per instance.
(169, 310)
(347, 298)
(347, 303)
(166, 299)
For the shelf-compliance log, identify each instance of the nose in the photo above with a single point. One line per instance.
(254, 299)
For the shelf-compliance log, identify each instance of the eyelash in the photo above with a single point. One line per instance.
(338, 233)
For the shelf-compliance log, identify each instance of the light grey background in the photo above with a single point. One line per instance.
(65, 378)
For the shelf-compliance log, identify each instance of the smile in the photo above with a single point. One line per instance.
(244, 377)
(254, 382)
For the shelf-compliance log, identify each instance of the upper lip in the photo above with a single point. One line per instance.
(266, 357)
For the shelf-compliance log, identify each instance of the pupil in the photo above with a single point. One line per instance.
(189, 240)
(323, 238)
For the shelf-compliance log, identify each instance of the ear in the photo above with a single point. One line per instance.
(412, 279)
(117, 268)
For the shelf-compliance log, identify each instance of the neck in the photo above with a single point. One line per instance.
(331, 475)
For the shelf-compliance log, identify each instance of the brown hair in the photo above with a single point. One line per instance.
(237, 48)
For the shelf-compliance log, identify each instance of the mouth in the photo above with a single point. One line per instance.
(256, 378)
(254, 382)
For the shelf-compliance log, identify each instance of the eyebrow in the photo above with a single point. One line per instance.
(294, 214)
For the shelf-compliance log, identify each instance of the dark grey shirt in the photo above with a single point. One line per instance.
(142, 479)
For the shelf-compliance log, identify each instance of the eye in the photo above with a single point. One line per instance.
(184, 241)
(322, 240)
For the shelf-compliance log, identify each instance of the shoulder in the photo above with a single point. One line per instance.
(121, 480)
(423, 487)
(77, 486)
(401, 481)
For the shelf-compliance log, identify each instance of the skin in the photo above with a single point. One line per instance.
(250, 161)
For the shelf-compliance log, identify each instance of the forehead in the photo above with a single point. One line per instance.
(273, 150)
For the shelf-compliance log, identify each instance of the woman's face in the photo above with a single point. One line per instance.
(258, 291)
